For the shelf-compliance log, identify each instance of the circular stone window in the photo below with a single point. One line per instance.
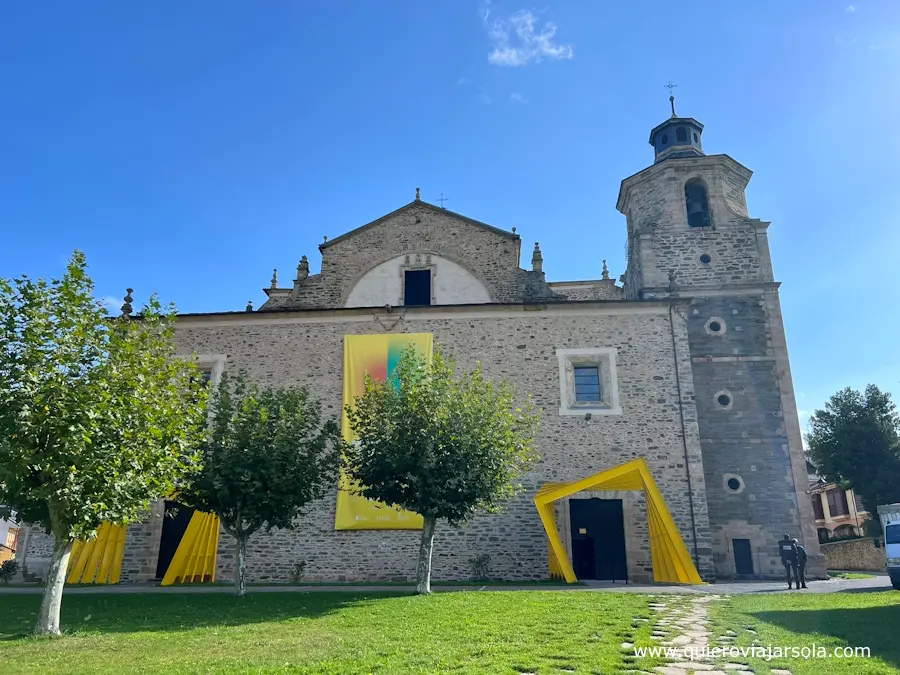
(723, 400)
(705, 258)
(715, 326)
(733, 483)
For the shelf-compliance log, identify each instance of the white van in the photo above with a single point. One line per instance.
(890, 521)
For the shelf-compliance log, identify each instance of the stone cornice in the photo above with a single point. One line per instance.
(368, 314)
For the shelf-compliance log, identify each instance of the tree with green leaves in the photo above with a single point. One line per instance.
(855, 442)
(269, 453)
(440, 445)
(97, 415)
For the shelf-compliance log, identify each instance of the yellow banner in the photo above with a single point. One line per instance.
(376, 355)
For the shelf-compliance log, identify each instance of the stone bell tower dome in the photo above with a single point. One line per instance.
(677, 136)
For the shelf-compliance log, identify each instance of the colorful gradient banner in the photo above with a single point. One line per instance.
(376, 355)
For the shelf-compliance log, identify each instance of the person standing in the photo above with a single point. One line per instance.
(801, 563)
(789, 558)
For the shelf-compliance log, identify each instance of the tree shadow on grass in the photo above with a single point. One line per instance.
(169, 612)
(872, 627)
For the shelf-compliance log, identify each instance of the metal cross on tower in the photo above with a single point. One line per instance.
(670, 87)
(442, 199)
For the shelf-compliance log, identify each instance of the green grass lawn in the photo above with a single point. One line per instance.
(851, 575)
(826, 620)
(385, 632)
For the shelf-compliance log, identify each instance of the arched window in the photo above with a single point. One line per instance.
(696, 140)
(665, 139)
(680, 134)
(697, 203)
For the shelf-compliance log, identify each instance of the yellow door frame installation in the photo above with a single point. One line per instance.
(671, 561)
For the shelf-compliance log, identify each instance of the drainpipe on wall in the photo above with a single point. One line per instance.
(687, 464)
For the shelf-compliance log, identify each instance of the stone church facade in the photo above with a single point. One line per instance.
(688, 351)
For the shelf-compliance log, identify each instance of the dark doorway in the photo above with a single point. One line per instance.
(743, 556)
(598, 539)
(175, 522)
(417, 287)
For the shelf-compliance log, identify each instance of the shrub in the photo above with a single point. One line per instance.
(297, 571)
(480, 566)
(8, 569)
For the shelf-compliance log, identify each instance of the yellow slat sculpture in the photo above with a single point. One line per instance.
(195, 558)
(671, 560)
(99, 560)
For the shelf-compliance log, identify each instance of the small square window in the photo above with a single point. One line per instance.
(587, 383)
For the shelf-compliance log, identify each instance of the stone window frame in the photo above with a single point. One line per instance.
(723, 392)
(421, 262)
(735, 491)
(723, 327)
(605, 359)
(214, 363)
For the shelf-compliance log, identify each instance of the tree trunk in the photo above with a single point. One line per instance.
(423, 570)
(240, 583)
(48, 619)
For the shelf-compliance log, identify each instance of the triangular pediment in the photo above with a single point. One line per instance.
(421, 206)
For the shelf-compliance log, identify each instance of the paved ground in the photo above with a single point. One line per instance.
(878, 583)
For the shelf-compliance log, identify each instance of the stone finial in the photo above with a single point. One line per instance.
(514, 230)
(249, 306)
(275, 278)
(537, 260)
(605, 272)
(126, 307)
(302, 269)
(325, 239)
(417, 194)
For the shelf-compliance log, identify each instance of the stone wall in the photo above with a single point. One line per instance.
(746, 439)
(38, 552)
(515, 343)
(733, 253)
(855, 554)
(603, 289)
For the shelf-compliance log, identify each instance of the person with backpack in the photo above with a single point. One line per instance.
(790, 559)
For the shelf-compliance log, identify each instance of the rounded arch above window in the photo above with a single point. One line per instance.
(696, 202)
(418, 279)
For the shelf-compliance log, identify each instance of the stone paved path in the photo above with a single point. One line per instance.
(685, 625)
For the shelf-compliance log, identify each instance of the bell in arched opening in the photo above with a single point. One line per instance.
(697, 203)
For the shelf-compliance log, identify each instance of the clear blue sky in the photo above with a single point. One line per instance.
(188, 148)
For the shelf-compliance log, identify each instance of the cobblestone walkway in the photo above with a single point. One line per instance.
(684, 625)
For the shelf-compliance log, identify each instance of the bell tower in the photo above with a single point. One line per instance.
(691, 237)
